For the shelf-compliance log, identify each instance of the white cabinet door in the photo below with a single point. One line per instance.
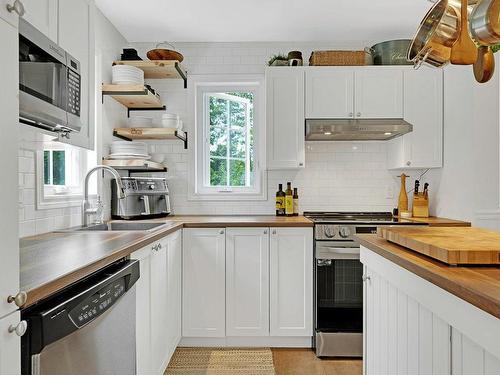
(401, 337)
(423, 101)
(247, 282)
(10, 345)
(468, 358)
(329, 92)
(203, 286)
(285, 118)
(43, 15)
(291, 286)
(9, 104)
(378, 93)
(76, 36)
(174, 292)
(143, 311)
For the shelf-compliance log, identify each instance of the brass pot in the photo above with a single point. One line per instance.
(484, 22)
(436, 34)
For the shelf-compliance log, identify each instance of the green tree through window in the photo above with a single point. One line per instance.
(231, 149)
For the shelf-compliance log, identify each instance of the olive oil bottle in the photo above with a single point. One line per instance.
(295, 202)
(289, 200)
(280, 201)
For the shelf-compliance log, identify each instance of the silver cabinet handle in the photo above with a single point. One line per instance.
(301, 164)
(265, 231)
(19, 299)
(274, 231)
(160, 246)
(366, 278)
(221, 231)
(17, 7)
(408, 163)
(20, 328)
(351, 114)
(358, 114)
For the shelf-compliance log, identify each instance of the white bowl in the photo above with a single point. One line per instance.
(170, 123)
(157, 157)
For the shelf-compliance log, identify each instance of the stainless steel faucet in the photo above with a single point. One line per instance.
(86, 209)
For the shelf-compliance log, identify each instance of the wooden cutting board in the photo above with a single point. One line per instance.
(453, 246)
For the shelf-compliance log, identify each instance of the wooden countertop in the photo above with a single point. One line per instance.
(478, 285)
(52, 261)
(433, 221)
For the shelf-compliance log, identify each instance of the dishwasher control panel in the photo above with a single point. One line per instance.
(98, 303)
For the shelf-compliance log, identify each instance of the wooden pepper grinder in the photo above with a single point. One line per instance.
(403, 197)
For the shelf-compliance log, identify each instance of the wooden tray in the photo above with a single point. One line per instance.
(449, 245)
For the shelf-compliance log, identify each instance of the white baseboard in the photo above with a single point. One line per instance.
(263, 341)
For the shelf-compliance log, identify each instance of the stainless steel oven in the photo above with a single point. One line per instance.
(49, 83)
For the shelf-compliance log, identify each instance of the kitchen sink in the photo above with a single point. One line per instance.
(119, 226)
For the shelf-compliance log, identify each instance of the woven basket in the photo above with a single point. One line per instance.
(336, 58)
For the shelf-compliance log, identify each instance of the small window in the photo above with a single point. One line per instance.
(230, 155)
(230, 144)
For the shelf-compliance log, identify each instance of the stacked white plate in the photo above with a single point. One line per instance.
(140, 122)
(121, 150)
(127, 75)
(171, 121)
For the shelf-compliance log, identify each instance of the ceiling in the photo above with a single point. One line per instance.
(264, 20)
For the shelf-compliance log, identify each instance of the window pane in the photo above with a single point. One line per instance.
(238, 144)
(218, 172)
(238, 114)
(218, 141)
(46, 167)
(58, 167)
(218, 111)
(237, 172)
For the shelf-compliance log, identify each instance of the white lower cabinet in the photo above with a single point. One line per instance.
(203, 282)
(158, 317)
(247, 282)
(413, 327)
(291, 286)
(10, 346)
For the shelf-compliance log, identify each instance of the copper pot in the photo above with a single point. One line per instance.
(436, 34)
(485, 22)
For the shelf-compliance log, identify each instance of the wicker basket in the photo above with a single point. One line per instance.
(335, 58)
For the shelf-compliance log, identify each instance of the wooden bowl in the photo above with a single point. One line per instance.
(164, 54)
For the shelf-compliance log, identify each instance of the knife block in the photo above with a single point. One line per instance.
(420, 205)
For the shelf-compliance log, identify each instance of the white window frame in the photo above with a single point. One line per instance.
(60, 196)
(199, 154)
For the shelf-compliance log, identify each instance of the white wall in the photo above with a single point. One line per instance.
(338, 175)
(109, 43)
(467, 187)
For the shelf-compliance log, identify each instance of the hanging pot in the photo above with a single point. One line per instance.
(437, 33)
(485, 22)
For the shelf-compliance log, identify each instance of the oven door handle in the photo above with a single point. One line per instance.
(332, 252)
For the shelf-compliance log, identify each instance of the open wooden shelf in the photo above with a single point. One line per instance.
(135, 165)
(133, 96)
(158, 69)
(131, 134)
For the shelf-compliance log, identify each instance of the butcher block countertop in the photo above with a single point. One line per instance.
(52, 261)
(478, 285)
(433, 221)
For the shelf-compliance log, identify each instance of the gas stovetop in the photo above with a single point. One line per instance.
(350, 217)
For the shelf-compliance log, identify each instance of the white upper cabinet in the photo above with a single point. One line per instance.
(329, 92)
(291, 285)
(203, 286)
(9, 104)
(43, 15)
(76, 36)
(423, 101)
(378, 93)
(285, 118)
(247, 282)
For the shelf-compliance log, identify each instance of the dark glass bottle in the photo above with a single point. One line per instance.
(280, 201)
(289, 200)
(295, 202)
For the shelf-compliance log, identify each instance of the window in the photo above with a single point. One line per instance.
(229, 140)
(60, 173)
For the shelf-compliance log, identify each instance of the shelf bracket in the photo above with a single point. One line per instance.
(182, 74)
(115, 134)
(184, 139)
(162, 108)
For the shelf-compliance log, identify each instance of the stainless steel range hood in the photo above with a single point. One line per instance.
(356, 130)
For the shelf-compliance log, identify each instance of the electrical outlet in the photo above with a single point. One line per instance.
(389, 191)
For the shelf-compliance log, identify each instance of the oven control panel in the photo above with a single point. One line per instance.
(331, 232)
(98, 303)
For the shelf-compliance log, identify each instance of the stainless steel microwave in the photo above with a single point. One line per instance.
(49, 83)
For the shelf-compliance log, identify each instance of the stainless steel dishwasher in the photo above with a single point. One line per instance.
(87, 329)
